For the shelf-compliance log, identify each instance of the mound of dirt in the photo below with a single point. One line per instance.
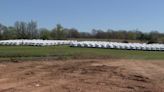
(82, 76)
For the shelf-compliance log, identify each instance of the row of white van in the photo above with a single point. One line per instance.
(88, 44)
(117, 45)
(35, 42)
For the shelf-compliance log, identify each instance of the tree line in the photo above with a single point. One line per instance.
(30, 30)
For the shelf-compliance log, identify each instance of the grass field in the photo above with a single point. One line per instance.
(66, 52)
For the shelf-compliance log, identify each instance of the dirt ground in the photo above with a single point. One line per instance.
(82, 76)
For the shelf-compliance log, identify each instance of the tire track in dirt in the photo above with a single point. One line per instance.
(82, 76)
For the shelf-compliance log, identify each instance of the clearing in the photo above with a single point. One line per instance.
(101, 75)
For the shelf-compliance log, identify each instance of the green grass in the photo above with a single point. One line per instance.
(67, 52)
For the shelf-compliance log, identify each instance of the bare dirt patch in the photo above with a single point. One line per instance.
(82, 76)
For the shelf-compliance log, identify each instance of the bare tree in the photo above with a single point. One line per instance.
(32, 30)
